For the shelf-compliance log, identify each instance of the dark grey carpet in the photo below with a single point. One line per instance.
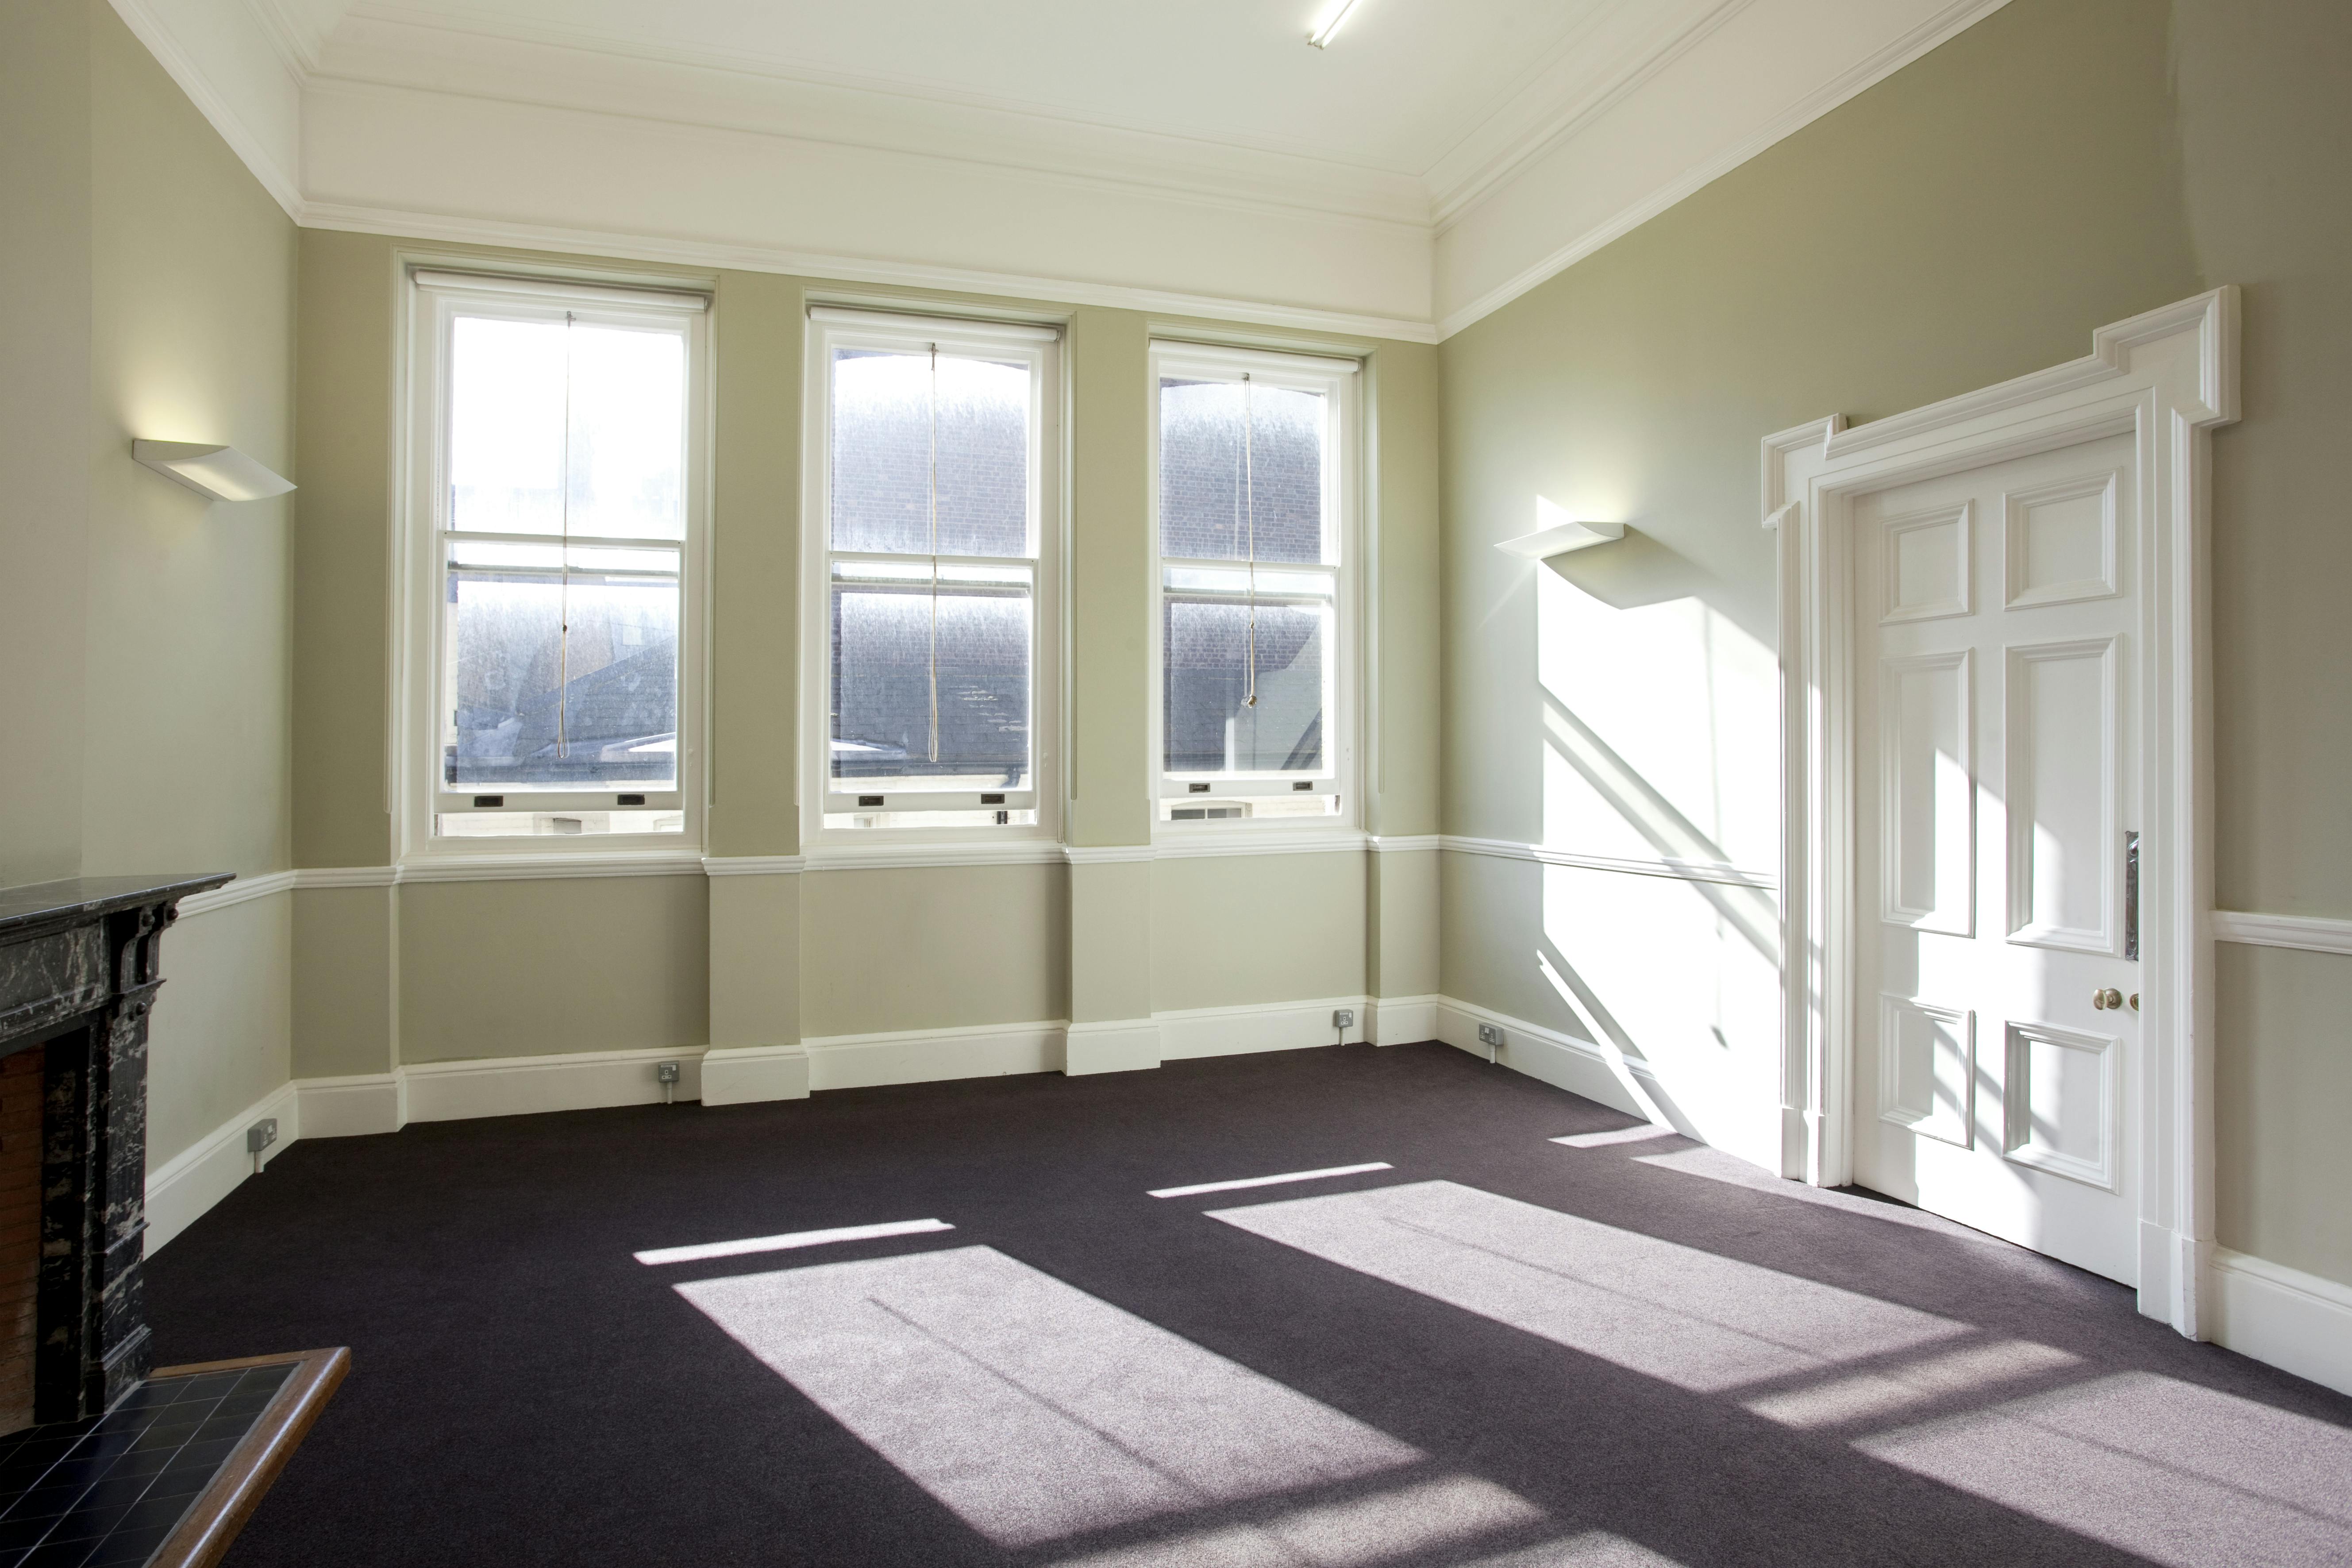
(1503, 1352)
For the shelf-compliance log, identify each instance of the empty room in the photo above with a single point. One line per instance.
(1252, 784)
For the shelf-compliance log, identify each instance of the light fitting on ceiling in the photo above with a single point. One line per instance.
(1322, 35)
(219, 473)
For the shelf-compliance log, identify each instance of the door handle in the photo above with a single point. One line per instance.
(2107, 997)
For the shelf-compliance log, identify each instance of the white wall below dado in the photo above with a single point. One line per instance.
(496, 140)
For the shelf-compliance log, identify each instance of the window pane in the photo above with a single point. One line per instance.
(883, 434)
(533, 705)
(1206, 649)
(1236, 460)
(518, 389)
(890, 633)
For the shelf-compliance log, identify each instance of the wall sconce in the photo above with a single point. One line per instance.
(1561, 536)
(217, 473)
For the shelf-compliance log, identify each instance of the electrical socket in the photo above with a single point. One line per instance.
(261, 1135)
(665, 1072)
(1343, 1017)
(1491, 1034)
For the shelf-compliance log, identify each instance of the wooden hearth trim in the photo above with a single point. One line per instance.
(221, 1509)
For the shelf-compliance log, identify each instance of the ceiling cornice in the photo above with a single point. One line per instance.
(818, 267)
(1035, 202)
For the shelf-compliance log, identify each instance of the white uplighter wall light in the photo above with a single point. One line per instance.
(219, 473)
(1322, 35)
(1559, 535)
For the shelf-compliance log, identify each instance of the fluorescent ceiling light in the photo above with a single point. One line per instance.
(220, 473)
(1322, 35)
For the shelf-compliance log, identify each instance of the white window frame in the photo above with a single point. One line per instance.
(1340, 381)
(433, 295)
(831, 327)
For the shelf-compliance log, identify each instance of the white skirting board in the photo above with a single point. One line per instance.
(1262, 1026)
(1562, 1060)
(2298, 1322)
(181, 1189)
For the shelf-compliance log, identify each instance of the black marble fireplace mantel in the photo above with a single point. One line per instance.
(80, 966)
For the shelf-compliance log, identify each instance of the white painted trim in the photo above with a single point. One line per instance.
(1107, 854)
(572, 1080)
(934, 1055)
(547, 867)
(2298, 1322)
(146, 24)
(309, 877)
(1123, 1045)
(739, 1075)
(353, 1106)
(1258, 1026)
(1208, 842)
(909, 856)
(2169, 377)
(822, 267)
(1401, 1020)
(753, 864)
(2308, 932)
(243, 890)
(1412, 844)
(1951, 20)
(1599, 1073)
(183, 1187)
(1679, 870)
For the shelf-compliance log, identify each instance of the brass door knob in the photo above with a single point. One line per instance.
(2107, 997)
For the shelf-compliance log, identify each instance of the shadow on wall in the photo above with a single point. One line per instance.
(1659, 712)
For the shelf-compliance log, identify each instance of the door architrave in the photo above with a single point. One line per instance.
(2168, 378)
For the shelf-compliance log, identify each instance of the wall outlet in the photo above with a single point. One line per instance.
(1491, 1035)
(665, 1072)
(1343, 1017)
(261, 1135)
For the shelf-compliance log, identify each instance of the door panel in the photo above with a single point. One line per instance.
(1995, 771)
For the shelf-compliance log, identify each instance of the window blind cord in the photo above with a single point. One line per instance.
(935, 552)
(563, 569)
(1249, 508)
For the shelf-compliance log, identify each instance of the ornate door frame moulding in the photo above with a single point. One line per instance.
(2167, 378)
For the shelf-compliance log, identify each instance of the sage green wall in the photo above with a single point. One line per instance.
(851, 953)
(538, 968)
(1971, 218)
(2264, 119)
(45, 332)
(148, 637)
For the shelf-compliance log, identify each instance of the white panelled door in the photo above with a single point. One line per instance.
(1997, 1060)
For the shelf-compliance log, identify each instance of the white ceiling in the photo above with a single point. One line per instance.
(1195, 156)
(1403, 85)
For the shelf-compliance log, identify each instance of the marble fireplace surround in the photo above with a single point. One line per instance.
(79, 966)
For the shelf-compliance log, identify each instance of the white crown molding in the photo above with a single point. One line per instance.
(2306, 932)
(407, 120)
(1535, 120)
(558, 66)
(823, 267)
(1678, 870)
(227, 103)
(243, 890)
(1945, 22)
